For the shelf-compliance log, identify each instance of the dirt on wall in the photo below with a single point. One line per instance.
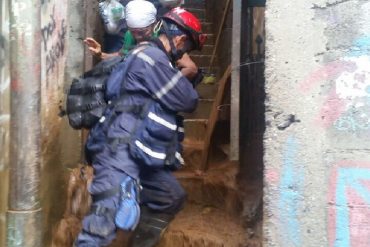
(61, 144)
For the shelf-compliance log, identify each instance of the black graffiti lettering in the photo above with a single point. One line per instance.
(57, 49)
(48, 30)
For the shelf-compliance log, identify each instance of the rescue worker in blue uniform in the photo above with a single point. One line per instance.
(137, 143)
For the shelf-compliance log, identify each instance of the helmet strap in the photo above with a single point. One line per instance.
(175, 53)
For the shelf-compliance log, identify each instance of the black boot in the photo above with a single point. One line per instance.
(150, 228)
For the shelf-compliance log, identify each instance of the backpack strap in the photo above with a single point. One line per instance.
(140, 110)
(117, 107)
(133, 53)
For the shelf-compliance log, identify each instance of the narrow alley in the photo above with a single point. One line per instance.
(111, 134)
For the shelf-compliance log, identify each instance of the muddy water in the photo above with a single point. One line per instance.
(60, 151)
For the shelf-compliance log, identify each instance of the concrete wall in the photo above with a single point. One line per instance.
(62, 29)
(64, 25)
(4, 114)
(62, 58)
(317, 162)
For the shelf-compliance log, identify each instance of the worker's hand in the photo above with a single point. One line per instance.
(94, 47)
(186, 62)
(187, 67)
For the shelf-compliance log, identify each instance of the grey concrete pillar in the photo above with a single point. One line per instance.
(317, 160)
(24, 210)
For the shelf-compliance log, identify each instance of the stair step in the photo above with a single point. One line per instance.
(195, 129)
(192, 154)
(207, 91)
(207, 27)
(203, 110)
(210, 39)
(193, 144)
(200, 226)
(216, 188)
(202, 60)
(207, 50)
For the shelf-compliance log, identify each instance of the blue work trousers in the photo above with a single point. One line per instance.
(160, 192)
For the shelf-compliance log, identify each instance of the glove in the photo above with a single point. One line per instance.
(198, 78)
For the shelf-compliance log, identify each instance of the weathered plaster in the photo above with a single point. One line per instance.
(316, 169)
(62, 29)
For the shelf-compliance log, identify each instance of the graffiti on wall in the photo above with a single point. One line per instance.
(346, 106)
(346, 109)
(53, 36)
(56, 51)
(291, 193)
(349, 205)
(53, 41)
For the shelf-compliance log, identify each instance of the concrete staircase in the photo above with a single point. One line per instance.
(211, 216)
(196, 122)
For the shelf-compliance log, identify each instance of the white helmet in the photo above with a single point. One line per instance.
(140, 14)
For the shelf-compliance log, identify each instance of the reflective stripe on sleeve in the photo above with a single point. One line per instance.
(146, 58)
(174, 80)
(138, 49)
(162, 121)
(150, 152)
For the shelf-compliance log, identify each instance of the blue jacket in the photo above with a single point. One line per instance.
(142, 127)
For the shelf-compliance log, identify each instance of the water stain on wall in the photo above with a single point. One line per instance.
(60, 144)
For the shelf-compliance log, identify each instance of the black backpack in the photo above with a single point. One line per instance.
(86, 95)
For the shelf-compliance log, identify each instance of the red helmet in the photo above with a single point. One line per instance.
(189, 23)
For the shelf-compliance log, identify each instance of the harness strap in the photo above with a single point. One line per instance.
(80, 88)
(106, 194)
(115, 104)
(136, 109)
(117, 109)
(86, 107)
(141, 110)
(132, 54)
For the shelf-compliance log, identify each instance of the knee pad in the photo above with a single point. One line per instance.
(128, 213)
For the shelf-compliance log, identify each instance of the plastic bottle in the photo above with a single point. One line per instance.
(113, 13)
